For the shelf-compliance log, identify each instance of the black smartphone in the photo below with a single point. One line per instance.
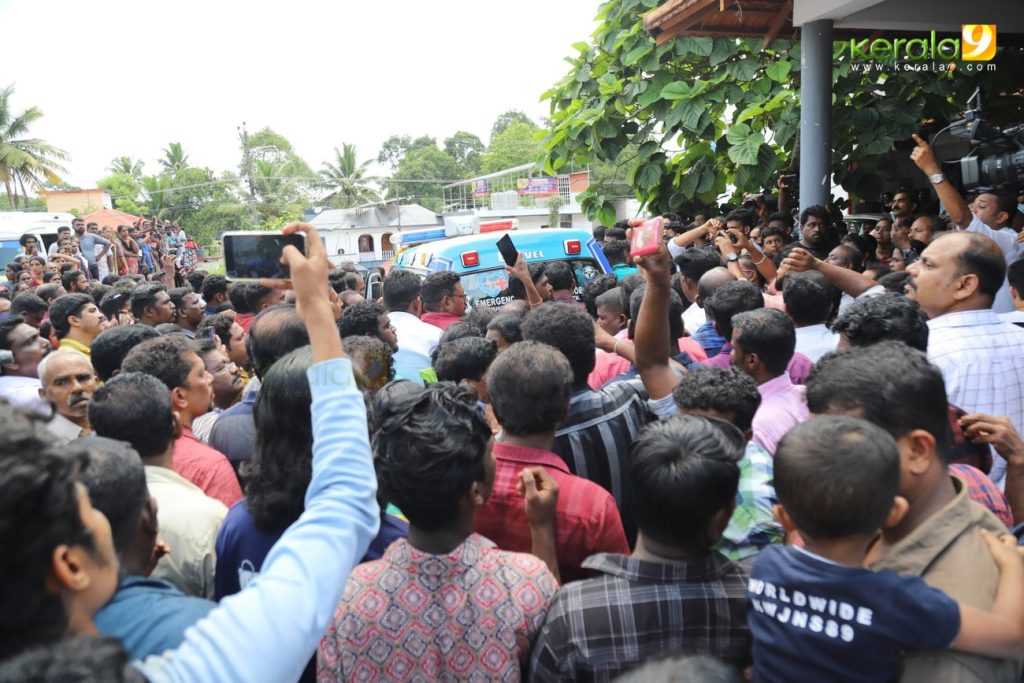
(508, 250)
(257, 254)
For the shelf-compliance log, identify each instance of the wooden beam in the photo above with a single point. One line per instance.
(677, 17)
(778, 23)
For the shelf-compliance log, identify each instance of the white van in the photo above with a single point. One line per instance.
(14, 224)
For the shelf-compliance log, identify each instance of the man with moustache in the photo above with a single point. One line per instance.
(68, 382)
(19, 374)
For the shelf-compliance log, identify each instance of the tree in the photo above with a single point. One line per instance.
(175, 158)
(466, 149)
(125, 191)
(126, 165)
(272, 147)
(514, 146)
(349, 178)
(393, 150)
(24, 161)
(508, 118)
(701, 114)
(424, 164)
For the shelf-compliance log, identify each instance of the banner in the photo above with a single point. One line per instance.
(541, 185)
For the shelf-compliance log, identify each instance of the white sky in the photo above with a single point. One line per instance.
(127, 77)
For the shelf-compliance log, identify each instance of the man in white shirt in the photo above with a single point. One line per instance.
(808, 297)
(136, 408)
(416, 339)
(19, 378)
(957, 278)
(68, 382)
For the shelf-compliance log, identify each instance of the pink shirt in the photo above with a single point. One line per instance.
(798, 369)
(609, 365)
(440, 319)
(783, 407)
(207, 468)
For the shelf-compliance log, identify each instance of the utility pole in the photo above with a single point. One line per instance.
(247, 164)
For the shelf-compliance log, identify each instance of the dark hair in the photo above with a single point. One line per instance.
(221, 324)
(816, 211)
(77, 659)
(627, 286)
(837, 476)
(768, 333)
(888, 384)
(276, 331)
(983, 258)
(889, 317)
(282, 462)
(466, 358)
(684, 470)
(459, 330)
(27, 302)
(744, 216)
(480, 317)
(110, 347)
(428, 450)
(612, 300)
(178, 297)
(693, 263)
(616, 251)
(361, 318)
(560, 276)
(773, 231)
(39, 511)
(569, 330)
(732, 298)
(373, 362)
(24, 238)
(134, 407)
(598, 232)
(808, 297)
(675, 311)
(62, 308)
(387, 397)
(110, 280)
(143, 297)
(70, 277)
(529, 386)
(618, 233)
(97, 292)
(48, 291)
(851, 255)
(196, 279)
(7, 325)
(726, 391)
(517, 289)
(255, 293)
(214, 285)
(112, 303)
(436, 286)
(895, 282)
(238, 296)
(508, 325)
(1015, 274)
(162, 358)
(1006, 201)
(116, 481)
(401, 287)
(595, 288)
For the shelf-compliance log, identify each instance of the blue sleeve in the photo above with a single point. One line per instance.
(920, 616)
(269, 631)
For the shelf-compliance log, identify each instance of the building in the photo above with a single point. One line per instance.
(363, 234)
(522, 193)
(80, 201)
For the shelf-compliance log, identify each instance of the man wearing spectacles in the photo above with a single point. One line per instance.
(444, 299)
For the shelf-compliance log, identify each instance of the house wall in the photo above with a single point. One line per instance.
(83, 201)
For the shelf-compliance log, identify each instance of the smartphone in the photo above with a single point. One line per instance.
(508, 250)
(251, 255)
(646, 237)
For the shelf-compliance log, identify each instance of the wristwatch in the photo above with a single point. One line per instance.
(936, 178)
(732, 257)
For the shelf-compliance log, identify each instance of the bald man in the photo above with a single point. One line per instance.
(68, 383)
(957, 278)
(706, 335)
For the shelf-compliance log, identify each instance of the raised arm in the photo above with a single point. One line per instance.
(651, 338)
(1000, 433)
(677, 244)
(955, 205)
(268, 631)
(521, 271)
(849, 281)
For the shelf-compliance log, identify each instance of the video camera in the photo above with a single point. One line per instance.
(996, 156)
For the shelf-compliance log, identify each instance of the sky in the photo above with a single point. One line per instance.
(127, 77)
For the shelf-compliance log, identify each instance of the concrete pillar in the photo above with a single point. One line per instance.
(815, 112)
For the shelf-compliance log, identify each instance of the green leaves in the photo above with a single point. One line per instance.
(679, 90)
(743, 143)
(778, 71)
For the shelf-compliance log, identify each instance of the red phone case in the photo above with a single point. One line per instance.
(646, 237)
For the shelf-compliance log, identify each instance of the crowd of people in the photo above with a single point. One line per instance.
(775, 449)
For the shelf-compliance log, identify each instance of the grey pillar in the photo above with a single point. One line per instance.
(815, 112)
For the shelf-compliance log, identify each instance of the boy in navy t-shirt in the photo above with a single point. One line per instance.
(816, 614)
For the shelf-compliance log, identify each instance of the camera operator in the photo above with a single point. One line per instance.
(991, 218)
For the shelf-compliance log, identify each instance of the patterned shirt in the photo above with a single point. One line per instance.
(709, 339)
(469, 615)
(586, 519)
(594, 438)
(981, 490)
(752, 525)
(980, 358)
(637, 610)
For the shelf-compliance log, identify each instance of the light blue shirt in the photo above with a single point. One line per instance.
(269, 631)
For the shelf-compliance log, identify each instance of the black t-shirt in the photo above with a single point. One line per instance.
(820, 252)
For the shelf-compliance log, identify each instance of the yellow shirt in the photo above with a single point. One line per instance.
(72, 345)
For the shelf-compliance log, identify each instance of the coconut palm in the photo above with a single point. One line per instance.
(24, 161)
(175, 158)
(127, 165)
(349, 179)
(156, 191)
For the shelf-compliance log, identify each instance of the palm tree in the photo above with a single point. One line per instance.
(24, 161)
(127, 165)
(175, 158)
(349, 177)
(156, 191)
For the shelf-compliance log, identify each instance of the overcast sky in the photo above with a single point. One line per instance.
(122, 77)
